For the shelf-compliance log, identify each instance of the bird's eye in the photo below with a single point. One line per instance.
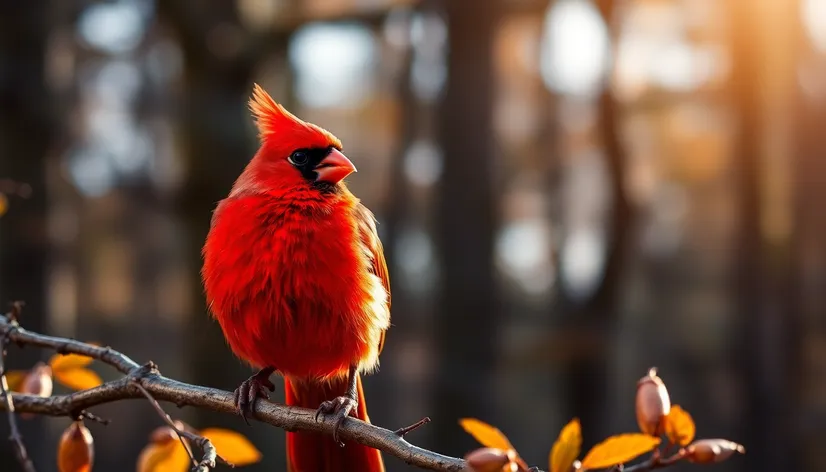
(298, 158)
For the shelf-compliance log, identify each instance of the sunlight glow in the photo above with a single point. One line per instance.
(116, 83)
(428, 71)
(586, 202)
(115, 144)
(582, 261)
(114, 28)
(423, 163)
(333, 64)
(671, 63)
(575, 48)
(524, 252)
(677, 67)
(91, 171)
(397, 27)
(814, 20)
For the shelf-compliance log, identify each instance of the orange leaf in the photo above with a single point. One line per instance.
(15, 379)
(168, 457)
(78, 379)
(486, 434)
(618, 450)
(69, 361)
(679, 426)
(566, 448)
(76, 449)
(232, 446)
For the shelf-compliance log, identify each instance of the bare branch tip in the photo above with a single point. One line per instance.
(16, 310)
(93, 417)
(402, 432)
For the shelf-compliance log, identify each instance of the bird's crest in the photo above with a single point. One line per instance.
(273, 119)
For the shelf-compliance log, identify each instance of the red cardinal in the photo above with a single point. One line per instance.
(295, 274)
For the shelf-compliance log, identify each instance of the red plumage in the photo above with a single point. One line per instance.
(316, 452)
(295, 275)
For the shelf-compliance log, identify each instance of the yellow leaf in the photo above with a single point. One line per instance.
(679, 426)
(69, 361)
(168, 457)
(78, 379)
(232, 446)
(486, 434)
(15, 379)
(618, 450)
(566, 448)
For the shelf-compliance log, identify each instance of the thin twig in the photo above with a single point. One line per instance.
(16, 310)
(180, 393)
(14, 437)
(656, 462)
(210, 453)
(165, 416)
(402, 432)
(92, 417)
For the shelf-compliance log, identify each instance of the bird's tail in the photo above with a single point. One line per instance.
(313, 452)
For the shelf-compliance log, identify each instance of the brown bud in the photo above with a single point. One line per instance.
(38, 381)
(706, 451)
(76, 450)
(653, 404)
(488, 459)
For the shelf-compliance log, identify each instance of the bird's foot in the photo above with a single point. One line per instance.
(251, 390)
(341, 408)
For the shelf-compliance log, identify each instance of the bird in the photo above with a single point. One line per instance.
(295, 275)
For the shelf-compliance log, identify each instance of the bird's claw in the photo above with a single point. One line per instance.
(341, 408)
(250, 391)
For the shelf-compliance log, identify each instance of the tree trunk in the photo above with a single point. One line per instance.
(27, 130)
(585, 377)
(767, 313)
(467, 318)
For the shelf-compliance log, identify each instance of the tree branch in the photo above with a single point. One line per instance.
(15, 437)
(138, 379)
(210, 453)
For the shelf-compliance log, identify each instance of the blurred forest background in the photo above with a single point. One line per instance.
(569, 192)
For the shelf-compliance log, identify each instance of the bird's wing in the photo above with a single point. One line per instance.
(370, 238)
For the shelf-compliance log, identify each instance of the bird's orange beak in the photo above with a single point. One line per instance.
(334, 168)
